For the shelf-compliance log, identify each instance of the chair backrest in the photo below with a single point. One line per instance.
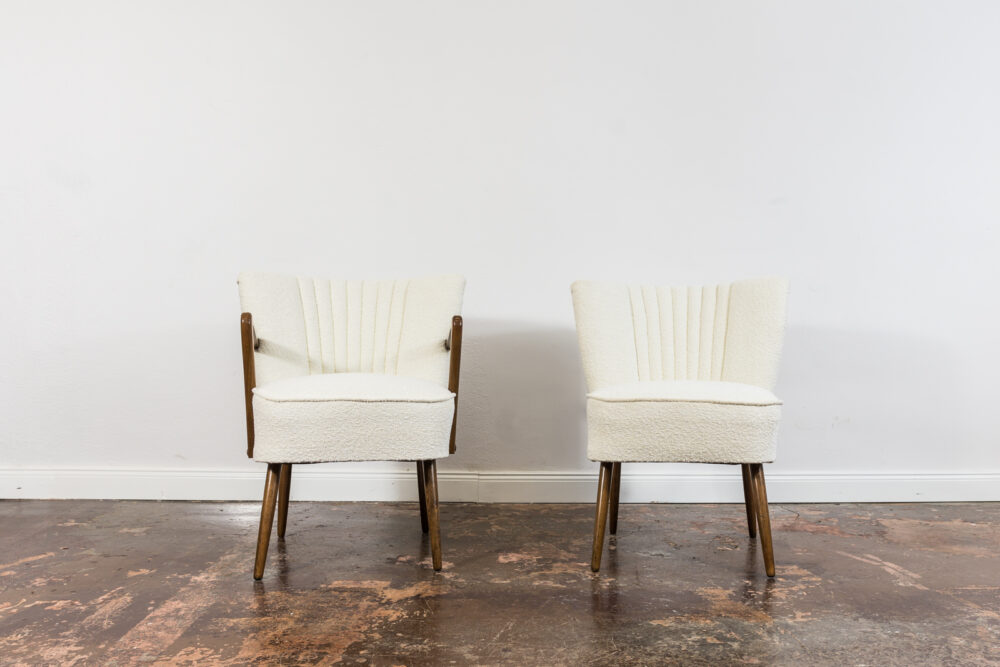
(308, 326)
(635, 333)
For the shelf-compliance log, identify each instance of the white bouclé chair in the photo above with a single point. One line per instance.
(339, 370)
(682, 374)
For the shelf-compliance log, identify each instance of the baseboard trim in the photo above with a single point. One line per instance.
(491, 487)
(728, 487)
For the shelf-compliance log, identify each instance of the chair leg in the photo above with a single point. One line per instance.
(616, 483)
(434, 524)
(421, 495)
(284, 489)
(601, 517)
(749, 498)
(266, 518)
(763, 518)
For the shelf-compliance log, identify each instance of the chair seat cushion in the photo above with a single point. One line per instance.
(684, 421)
(351, 417)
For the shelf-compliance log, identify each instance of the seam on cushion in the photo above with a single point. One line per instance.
(725, 328)
(361, 331)
(682, 400)
(636, 459)
(711, 352)
(698, 332)
(725, 336)
(635, 334)
(402, 327)
(333, 328)
(388, 327)
(713, 320)
(374, 327)
(319, 328)
(705, 291)
(353, 400)
(701, 314)
(693, 330)
(305, 326)
(359, 400)
(645, 312)
(366, 306)
(680, 362)
(359, 325)
(347, 324)
(663, 356)
(649, 337)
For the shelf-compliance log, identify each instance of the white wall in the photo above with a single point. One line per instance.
(151, 150)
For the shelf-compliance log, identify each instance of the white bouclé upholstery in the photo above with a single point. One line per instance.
(681, 373)
(351, 370)
(351, 417)
(683, 421)
(308, 325)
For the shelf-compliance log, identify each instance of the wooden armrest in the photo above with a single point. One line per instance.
(250, 343)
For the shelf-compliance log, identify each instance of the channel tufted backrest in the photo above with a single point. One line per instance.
(635, 333)
(308, 326)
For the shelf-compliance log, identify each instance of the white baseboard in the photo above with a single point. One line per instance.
(491, 487)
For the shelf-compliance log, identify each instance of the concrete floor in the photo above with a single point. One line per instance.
(120, 583)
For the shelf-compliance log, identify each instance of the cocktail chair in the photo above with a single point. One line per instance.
(340, 370)
(681, 374)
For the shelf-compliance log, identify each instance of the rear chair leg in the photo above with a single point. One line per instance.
(284, 489)
(763, 518)
(616, 484)
(603, 501)
(431, 498)
(266, 518)
(421, 495)
(748, 496)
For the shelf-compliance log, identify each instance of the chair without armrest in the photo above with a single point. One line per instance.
(682, 374)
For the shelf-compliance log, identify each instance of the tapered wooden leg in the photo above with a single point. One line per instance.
(763, 518)
(434, 525)
(616, 483)
(421, 495)
(284, 489)
(600, 519)
(750, 499)
(266, 518)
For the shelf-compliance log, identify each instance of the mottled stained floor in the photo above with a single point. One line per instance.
(121, 583)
